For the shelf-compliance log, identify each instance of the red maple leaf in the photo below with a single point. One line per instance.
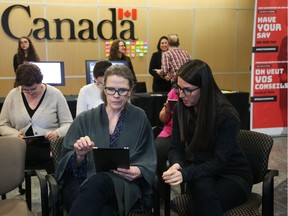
(127, 13)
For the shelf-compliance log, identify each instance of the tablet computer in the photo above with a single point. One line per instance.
(39, 141)
(111, 158)
(34, 137)
(37, 152)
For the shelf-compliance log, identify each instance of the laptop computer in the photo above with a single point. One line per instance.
(111, 158)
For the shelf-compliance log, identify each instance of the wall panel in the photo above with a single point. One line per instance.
(219, 32)
(215, 38)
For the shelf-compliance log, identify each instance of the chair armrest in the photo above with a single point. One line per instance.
(167, 196)
(268, 193)
(43, 191)
(156, 196)
(54, 195)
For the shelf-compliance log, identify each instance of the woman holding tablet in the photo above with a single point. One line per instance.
(110, 125)
(34, 108)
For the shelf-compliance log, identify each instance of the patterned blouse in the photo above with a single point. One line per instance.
(80, 171)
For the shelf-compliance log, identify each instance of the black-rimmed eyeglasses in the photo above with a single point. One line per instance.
(120, 91)
(186, 91)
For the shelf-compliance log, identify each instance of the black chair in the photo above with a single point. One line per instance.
(140, 87)
(40, 146)
(257, 147)
(12, 163)
(55, 203)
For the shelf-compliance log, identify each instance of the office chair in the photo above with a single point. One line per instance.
(36, 167)
(12, 164)
(55, 198)
(140, 87)
(257, 147)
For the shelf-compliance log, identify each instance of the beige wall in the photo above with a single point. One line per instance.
(218, 32)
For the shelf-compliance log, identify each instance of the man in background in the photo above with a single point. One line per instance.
(173, 59)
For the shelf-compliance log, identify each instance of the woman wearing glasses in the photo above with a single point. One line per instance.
(34, 108)
(114, 124)
(90, 95)
(204, 152)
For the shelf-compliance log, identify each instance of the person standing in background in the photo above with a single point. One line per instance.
(90, 95)
(117, 53)
(173, 59)
(26, 53)
(159, 84)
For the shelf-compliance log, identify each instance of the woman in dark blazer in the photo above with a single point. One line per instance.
(159, 84)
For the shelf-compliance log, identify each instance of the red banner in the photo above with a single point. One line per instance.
(269, 68)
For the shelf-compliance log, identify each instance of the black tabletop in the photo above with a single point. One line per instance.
(152, 104)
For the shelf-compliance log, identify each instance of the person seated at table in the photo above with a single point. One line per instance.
(164, 137)
(114, 124)
(117, 53)
(204, 152)
(34, 108)
(90, 95)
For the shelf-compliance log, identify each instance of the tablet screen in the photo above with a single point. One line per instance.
(111, 158)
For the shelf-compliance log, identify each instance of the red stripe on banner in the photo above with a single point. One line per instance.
(120, 13)
(134, 14)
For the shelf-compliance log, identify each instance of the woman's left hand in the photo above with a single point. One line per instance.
(130, 174)
(173, 176)
(51, 135)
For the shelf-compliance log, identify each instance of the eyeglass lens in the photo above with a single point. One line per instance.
(112, 91)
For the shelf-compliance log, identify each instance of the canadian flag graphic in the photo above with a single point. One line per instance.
(127, 13)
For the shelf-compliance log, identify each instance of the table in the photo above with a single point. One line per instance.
(152, 104)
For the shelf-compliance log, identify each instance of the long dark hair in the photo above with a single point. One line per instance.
(212, 104)
(31, 56)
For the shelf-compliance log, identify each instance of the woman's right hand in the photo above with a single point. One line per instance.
(21, 134)
(167, 107)
(82, 147)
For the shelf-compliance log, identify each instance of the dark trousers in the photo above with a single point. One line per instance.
(162, 148)
(214, 196)
(38, 157)
(95, 197)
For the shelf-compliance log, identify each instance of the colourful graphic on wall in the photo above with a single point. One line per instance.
(134, 48)
(269, 84)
